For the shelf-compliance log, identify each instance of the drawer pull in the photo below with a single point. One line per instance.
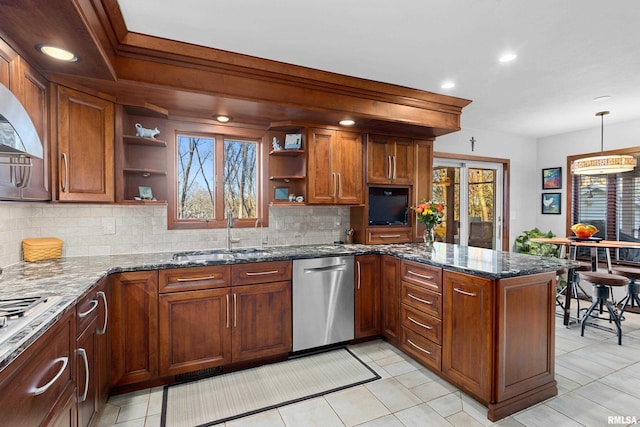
(82, 352)
(418, 347)
(195, 279)
(94, 305)
(39, 390)
(103, 330)
(424, 301)
(469, 294)
(422, 276)
(261, 273)
(412, 320)
(389, 236)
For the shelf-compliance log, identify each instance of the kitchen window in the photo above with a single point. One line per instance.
(214, 174)
(611, 202)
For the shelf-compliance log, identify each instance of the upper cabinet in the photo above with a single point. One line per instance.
(141, 155)
(287, 163)
(389, 160)
(334, 167)
(85, 149)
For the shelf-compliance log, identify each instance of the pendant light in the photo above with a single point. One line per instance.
(602, 164)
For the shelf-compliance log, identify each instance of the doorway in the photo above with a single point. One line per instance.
(472, 194)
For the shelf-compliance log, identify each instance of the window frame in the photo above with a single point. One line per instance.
(218, 133)
(612, 207)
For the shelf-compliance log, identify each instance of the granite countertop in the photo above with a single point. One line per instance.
(70, 278)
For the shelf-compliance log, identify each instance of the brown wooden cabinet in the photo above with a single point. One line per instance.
(133, 310)
(334, 167)
(261, 320)
(38, 387)
(85, 147)
(468, 326)
(390, 287)
(287, 167)
(194, 330)
(246, 307)
(368, 299)
(421, 312)
(389, 160)
(92, 354)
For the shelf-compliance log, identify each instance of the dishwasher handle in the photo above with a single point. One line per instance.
(336, 267)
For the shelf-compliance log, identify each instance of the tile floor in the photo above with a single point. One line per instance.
(597, 379)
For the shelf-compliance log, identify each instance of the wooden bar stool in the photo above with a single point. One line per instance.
(601, 283)
(632, 291)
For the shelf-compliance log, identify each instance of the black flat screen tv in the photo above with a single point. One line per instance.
(388, 206)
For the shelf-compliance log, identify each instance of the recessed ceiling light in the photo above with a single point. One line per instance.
(448, 85)
(57, 53)
(601, 98)
(507, 57)
(347, 122)
(223, 119)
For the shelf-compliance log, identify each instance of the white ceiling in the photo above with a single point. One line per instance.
(569, 51)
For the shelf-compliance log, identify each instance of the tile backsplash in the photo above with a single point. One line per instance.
(118, 229)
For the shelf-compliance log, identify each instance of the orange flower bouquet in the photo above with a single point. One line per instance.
(429, 213)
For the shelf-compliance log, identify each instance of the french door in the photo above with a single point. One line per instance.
(472, 194)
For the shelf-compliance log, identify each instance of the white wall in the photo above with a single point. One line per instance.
(524, 189)
(552, 151)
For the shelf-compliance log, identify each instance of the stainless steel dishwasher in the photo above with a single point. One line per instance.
(323, 301)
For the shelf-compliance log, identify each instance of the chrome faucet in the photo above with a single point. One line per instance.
(259, 221)
(230, 221)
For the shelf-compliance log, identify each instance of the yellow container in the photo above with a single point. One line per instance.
(41, 248)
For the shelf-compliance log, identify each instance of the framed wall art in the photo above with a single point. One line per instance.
(145, 193)
(551, 203)
(552, 178)
(281, 193)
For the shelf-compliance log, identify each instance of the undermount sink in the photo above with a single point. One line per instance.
(220, 255)
(209, 256)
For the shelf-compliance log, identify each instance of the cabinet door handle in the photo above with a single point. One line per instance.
(39, 390)
(358, 271)
(235, 310)
(82, 352)
(227, 311)
(65, 181)
(469, 294)
(394, 167)
(261, 273)
(195, 279)
(103, 297)
(389, 167)
(94, 305)
(339, 185)
(422, 325)
(424, 301)
(335, 184)
(422, 276)
(418, 347)
(389, 236)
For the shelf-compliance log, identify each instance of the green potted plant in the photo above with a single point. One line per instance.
(526, 246)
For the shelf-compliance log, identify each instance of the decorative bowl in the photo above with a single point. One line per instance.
(583, 231)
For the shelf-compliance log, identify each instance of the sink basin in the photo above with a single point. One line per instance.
(250, 253)
(203, 256)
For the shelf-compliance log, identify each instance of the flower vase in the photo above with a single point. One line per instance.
(429, 237)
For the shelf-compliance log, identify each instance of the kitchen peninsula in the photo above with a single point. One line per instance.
(480, 301)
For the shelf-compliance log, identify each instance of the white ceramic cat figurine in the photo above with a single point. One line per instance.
(146, 133)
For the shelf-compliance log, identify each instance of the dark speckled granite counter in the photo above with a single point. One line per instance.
(72, 277)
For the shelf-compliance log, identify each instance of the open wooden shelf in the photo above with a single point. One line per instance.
(286, 178)
(138, 140)
(144, 172)
(285, 152)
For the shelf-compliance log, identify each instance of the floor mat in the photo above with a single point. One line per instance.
(225, 397)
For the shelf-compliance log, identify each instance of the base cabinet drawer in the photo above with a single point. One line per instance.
(382, 235)
(421, 323)
(424, 351)
(420, 298)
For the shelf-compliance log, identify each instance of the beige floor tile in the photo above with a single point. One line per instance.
(447, 405)
(616, 402)
(544, 416)
(398, 368)
(508, 422)
(155, 402)
(139, 396)
(356, 405)
(386, 421)
(269, 418)
(431, 390)
(132, 412)
(393, 394)
(462, 419)
(415, 378)
(421, 416)
(580, 409)
(311, 413)
(152, 420)
(108, 415)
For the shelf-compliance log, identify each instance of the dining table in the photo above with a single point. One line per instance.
(572, 244)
